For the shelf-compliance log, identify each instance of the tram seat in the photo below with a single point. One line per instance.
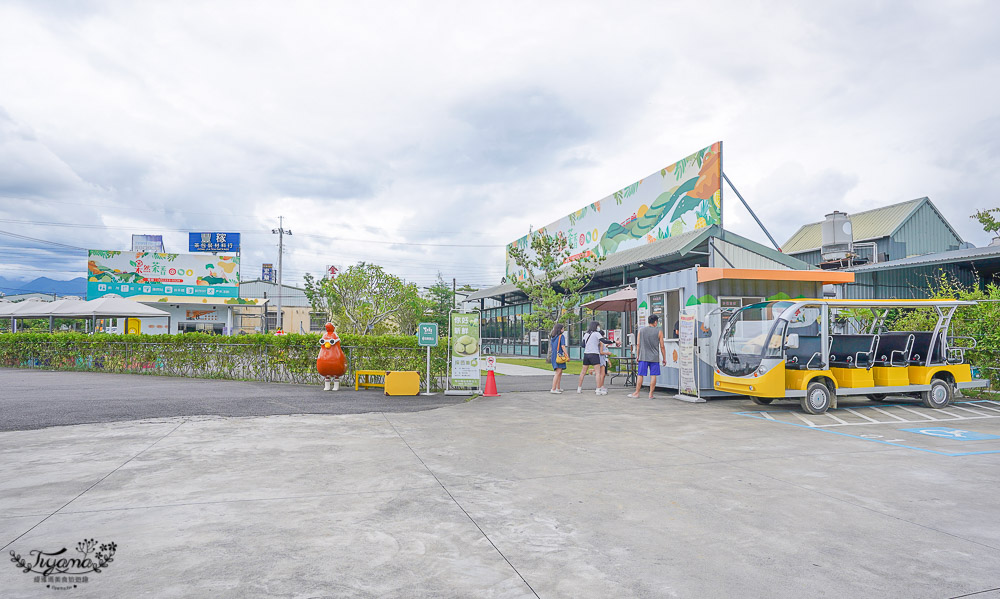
(807, 355)
(853, 351)
(894, 348)
(922, 347)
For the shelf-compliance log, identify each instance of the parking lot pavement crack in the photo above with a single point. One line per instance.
(864, 507)
(975, 594)
(99, 481)
(459, 505)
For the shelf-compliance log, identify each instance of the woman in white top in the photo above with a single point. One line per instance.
(592, 350)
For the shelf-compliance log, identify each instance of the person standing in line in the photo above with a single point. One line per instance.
(649, 343)
(557, 348)
(591, 356)
(605, 344)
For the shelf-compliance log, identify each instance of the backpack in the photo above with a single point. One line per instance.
(583, 340)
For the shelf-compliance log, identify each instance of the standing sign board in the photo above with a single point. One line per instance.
(213, 242)
(686, 358)
(463, 350)
(427, 334)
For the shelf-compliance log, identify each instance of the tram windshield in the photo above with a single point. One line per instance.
(752, 334)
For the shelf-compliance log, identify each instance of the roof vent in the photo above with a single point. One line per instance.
(838, 238)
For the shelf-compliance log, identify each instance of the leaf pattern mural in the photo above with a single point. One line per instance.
(685, 197)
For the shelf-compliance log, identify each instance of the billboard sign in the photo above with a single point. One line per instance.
(464, 350)
(213, 242)
(147, 243)
(267, 272)
(148, 273)
(682, 197)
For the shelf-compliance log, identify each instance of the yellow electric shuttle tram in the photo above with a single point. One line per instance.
(810, 350)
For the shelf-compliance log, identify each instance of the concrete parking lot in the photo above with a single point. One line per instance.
(525, 495)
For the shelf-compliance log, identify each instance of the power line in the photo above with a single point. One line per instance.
(36, 240)
(166, 230)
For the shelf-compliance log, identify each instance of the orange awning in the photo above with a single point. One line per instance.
(827, 277)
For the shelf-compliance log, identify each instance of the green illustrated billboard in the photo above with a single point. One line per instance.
(464, 350)
(149, 273)
(682, 197)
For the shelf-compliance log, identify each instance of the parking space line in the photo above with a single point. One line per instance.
(809, 423)
(889, 415)
(982, 406)
(901, 443)
(922, 415)
(859, 414)
(837, 419)
(956, 416)
(980, 414)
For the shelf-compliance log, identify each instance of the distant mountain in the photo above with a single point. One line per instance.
(77, 286)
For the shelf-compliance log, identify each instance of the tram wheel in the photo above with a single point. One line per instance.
(938, 396)
(762, 401)
(818, 398)
(877, 396)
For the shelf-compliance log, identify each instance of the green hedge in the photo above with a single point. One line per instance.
(288, 358)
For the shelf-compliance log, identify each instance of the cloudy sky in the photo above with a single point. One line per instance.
(423, 136)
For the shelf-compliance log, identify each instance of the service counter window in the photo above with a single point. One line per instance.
(667, 306)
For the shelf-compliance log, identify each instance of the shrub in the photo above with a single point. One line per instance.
(288, 358)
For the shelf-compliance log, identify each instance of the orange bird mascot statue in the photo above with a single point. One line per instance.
(331, 361)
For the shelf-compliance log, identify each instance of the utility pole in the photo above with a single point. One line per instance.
(280, 232)
(454, 296)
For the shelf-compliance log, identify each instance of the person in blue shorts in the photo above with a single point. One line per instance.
(651, 353)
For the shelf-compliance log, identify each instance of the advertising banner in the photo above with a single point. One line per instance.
(680, 198)
(267, 272)
(213, 242)
(147, 273)
(686, 357)
(147, 243)
(464, 350)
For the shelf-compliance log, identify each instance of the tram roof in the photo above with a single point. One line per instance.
(884, 303)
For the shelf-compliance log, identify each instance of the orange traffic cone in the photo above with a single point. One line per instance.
(491, 385)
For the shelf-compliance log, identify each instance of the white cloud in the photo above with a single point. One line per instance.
(461, 123)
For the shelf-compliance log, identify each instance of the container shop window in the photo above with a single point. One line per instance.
(729, 305)
(666, 305)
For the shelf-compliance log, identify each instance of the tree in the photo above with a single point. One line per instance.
(364, 299)
(551, 281)
(987, 220)
(440, 301)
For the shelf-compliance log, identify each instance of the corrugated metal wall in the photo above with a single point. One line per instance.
(925, 232)
(811, 257)
(739, 257)
(903, 283)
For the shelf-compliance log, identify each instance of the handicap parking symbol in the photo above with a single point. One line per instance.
(956, 434)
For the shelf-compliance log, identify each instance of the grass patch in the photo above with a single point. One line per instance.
(573, 367)
(981, 394)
